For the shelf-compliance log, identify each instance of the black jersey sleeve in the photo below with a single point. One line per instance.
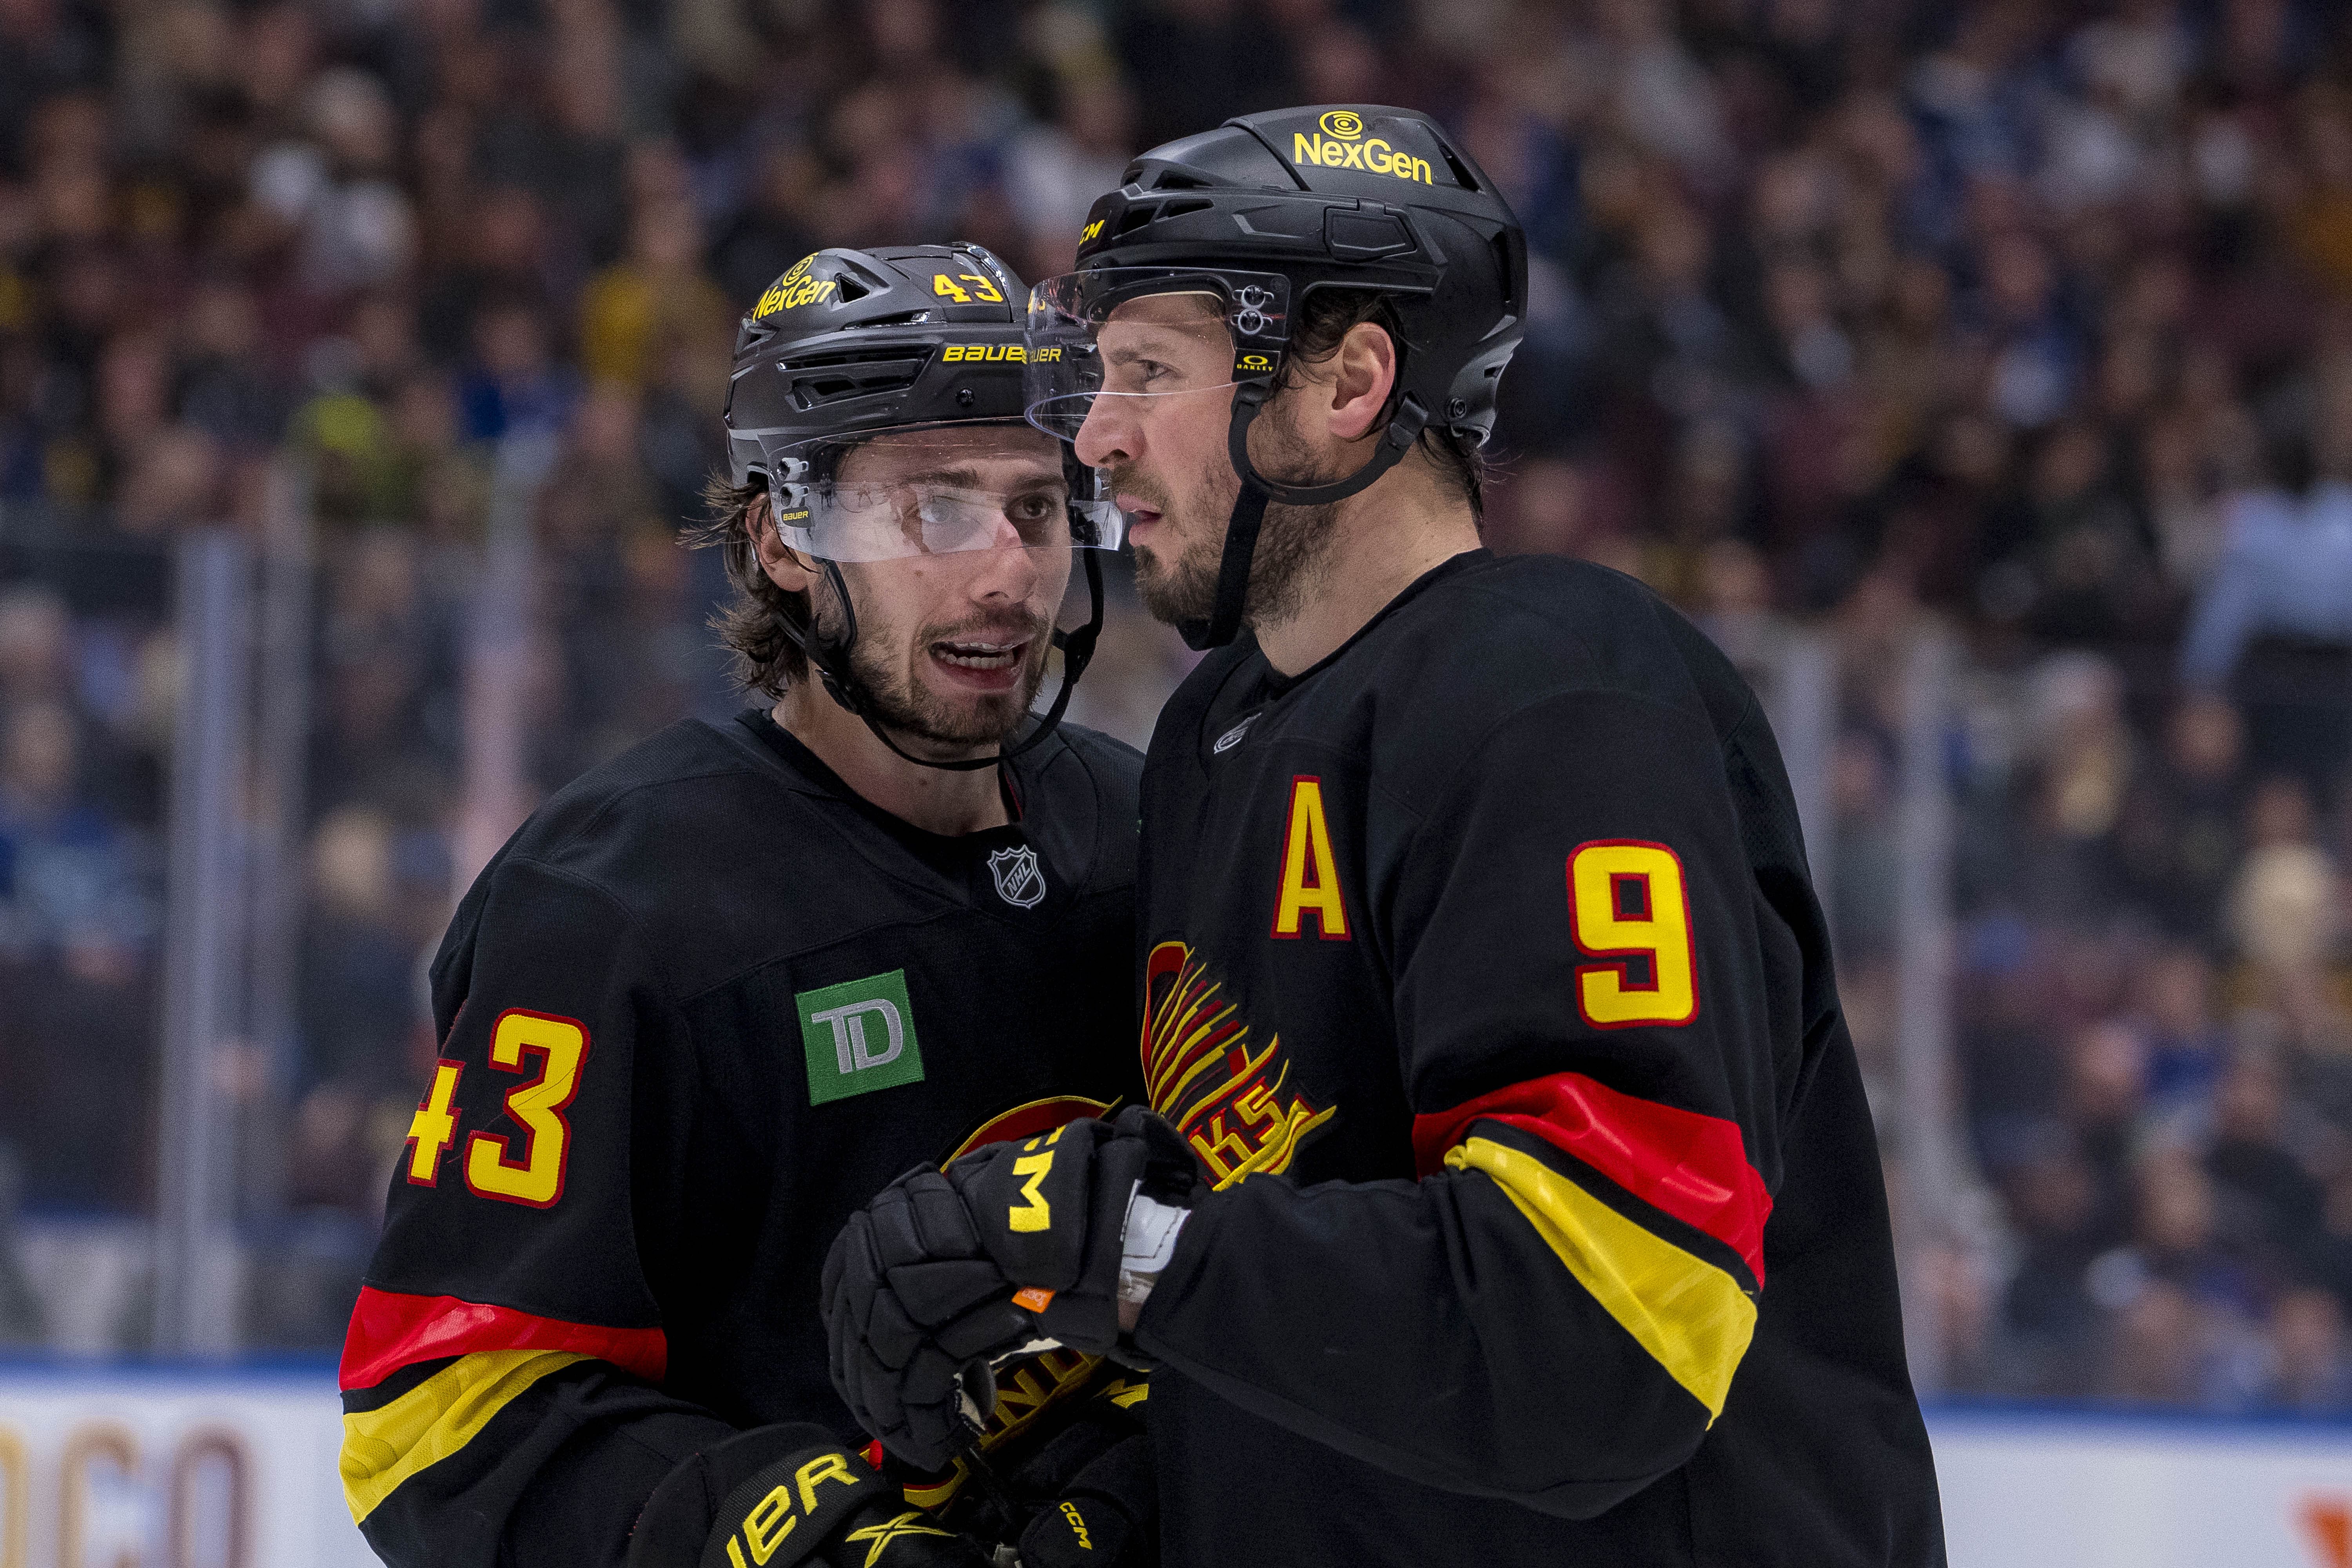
(502, 1371)
(1580, 953)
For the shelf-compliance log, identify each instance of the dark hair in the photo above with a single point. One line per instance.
(766, 660)
(1324, 320)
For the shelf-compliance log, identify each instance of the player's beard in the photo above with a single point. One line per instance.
(1294, 542)
(898, 700)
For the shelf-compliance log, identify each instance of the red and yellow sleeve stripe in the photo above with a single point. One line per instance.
(1683, 1289)
(499, 1354)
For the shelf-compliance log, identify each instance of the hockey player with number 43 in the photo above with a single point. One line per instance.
(1509, 1194)
(718, 992)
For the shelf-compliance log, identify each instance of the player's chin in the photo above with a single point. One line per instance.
(1170, 593)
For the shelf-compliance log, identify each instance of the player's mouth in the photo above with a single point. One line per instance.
(1139, 515)
(981, 664)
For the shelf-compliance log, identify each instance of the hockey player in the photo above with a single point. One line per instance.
(717, 992)
(1537, 1214)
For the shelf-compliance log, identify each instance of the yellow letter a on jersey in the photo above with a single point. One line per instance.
(1310, 877)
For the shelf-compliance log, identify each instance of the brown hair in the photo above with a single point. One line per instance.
(1324, 320)
(766, 660)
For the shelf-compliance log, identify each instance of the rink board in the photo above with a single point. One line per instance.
(124, 1466)
(2035, 1488)
(235, 1467)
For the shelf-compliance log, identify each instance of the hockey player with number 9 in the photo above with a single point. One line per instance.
(1508, 1195)
(719, 991)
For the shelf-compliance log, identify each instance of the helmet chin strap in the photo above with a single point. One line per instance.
(1224, 622)
(829, 656)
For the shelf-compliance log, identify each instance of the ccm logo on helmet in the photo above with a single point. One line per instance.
(973, 353)
(1341, 149)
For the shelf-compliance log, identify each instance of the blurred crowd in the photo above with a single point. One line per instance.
(2022, 325)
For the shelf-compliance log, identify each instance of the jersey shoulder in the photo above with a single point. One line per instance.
(1105, 766)
(1516, 631)
(658, 813)
(1084, 798)
(693, 843)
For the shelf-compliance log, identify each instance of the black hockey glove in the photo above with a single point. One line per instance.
(1081, 1491)
(915, 1309)
(1052, 1212)
(920, 1289)
(789, 1496)
(1107, 1514)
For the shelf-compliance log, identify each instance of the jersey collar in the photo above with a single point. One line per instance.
(1276, 685)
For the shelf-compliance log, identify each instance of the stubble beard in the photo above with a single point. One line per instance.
(899, 702)
(1294, 542)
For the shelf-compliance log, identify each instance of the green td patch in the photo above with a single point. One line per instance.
(860, 1035)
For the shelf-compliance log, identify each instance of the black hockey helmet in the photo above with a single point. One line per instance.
(1260, 213)
(916, 342)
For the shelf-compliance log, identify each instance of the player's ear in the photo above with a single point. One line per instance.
(785, 567)
(1364, 371)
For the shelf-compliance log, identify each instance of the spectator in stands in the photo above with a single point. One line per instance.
(2180, 830)
(2276, 624)
(2311, 1370)
(2284, 907)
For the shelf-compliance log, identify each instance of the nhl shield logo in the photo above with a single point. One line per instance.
(1020, 880)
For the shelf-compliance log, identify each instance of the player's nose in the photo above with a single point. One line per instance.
(1109, 433)
(1006, 573)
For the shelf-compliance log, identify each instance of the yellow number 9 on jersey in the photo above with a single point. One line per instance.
(536, 1178)
(1628, 910)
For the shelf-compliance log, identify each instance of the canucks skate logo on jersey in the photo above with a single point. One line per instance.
(1020, 880)
(1203, 1077)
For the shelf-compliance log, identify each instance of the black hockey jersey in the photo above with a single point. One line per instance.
(704, 1004)
(1483, 974)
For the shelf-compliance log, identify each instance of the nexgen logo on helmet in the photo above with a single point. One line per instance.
(789, 295)
(1374, 156)
(793, 289)
(1345, 148)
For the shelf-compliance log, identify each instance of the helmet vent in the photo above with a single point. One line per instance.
(1177, 180)
(1135, 217)
(1179, 208)
(1461, 175)
(1502, 248)
(813, 386)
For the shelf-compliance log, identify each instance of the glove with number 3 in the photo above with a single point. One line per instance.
(1017, 1242)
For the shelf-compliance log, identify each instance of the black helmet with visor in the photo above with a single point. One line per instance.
(922, 346)
(1229, 234)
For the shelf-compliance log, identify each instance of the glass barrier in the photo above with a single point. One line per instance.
(215, 1025)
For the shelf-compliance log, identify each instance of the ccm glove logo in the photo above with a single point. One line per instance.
(1077, 1526)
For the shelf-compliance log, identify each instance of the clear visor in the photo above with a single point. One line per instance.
(936, 490)
(1147, 332)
